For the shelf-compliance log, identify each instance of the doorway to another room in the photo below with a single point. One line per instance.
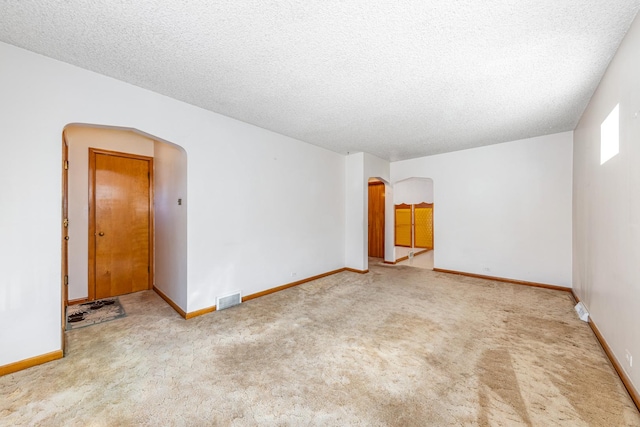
(124, 222)
(413, 222)
(376, 218)
(120, 223)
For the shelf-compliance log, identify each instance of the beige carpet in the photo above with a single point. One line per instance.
(399, 346)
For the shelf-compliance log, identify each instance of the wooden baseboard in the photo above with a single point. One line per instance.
(633, 392)
(292, 284)
(353, 270)
(389, 262)
(181, 312)
(77, 301)
(502, 279)
(192, 314)
(169, 301)
(30, 362)
(404, 258)
(206, 310)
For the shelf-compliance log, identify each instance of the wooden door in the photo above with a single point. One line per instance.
(403, 225)
(376, 219)
(121, 223)
(423, 225)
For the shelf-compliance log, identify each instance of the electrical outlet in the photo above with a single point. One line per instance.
(629, 358)
(487, 269)
(294, 274)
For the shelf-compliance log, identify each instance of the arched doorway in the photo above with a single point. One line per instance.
(168, 182)
(413, 222)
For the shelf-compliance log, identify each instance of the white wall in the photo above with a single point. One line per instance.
(355, 237)
(170, 182)
(261, 205)
(80, 138)
(359, 168)
(375, 167)
(412, 191)
(502, 210)
(606, 209)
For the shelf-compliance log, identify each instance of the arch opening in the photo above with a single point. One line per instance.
(168, 193)
(414, 225)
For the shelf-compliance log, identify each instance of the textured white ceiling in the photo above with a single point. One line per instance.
(397, 79)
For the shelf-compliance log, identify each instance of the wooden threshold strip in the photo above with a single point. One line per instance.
(30, 362)
(633, 392)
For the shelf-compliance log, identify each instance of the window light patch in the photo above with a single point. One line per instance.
(610, 135)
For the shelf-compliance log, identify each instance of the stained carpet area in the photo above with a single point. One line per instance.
(399, 346)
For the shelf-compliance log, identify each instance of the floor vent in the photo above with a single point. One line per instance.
(228, 301)
(583, 314)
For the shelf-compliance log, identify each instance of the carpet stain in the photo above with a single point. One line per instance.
(497, 375)
(399, 346)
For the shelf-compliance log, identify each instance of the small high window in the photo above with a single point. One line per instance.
(610, 135)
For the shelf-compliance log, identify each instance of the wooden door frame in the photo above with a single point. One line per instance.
(374, 183)
(92, 216)
(64, 227)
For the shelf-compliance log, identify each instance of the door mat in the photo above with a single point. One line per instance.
(94, 312)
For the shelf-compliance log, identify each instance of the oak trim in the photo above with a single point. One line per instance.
(192, 314)
(290, 285)
(91, 262)
(185, 315)
(206, 310)
(77, 301)
(633, 392)
(169, 301)
(502, 279)
(423, 205)
(404, 258)
(389, 262)
(30, 362)
(353, 270)
(91, 282)
(64, 245)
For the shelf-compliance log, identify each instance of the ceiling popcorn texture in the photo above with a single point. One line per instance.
(395, 79)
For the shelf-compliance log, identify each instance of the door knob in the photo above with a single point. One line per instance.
(101, 234)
